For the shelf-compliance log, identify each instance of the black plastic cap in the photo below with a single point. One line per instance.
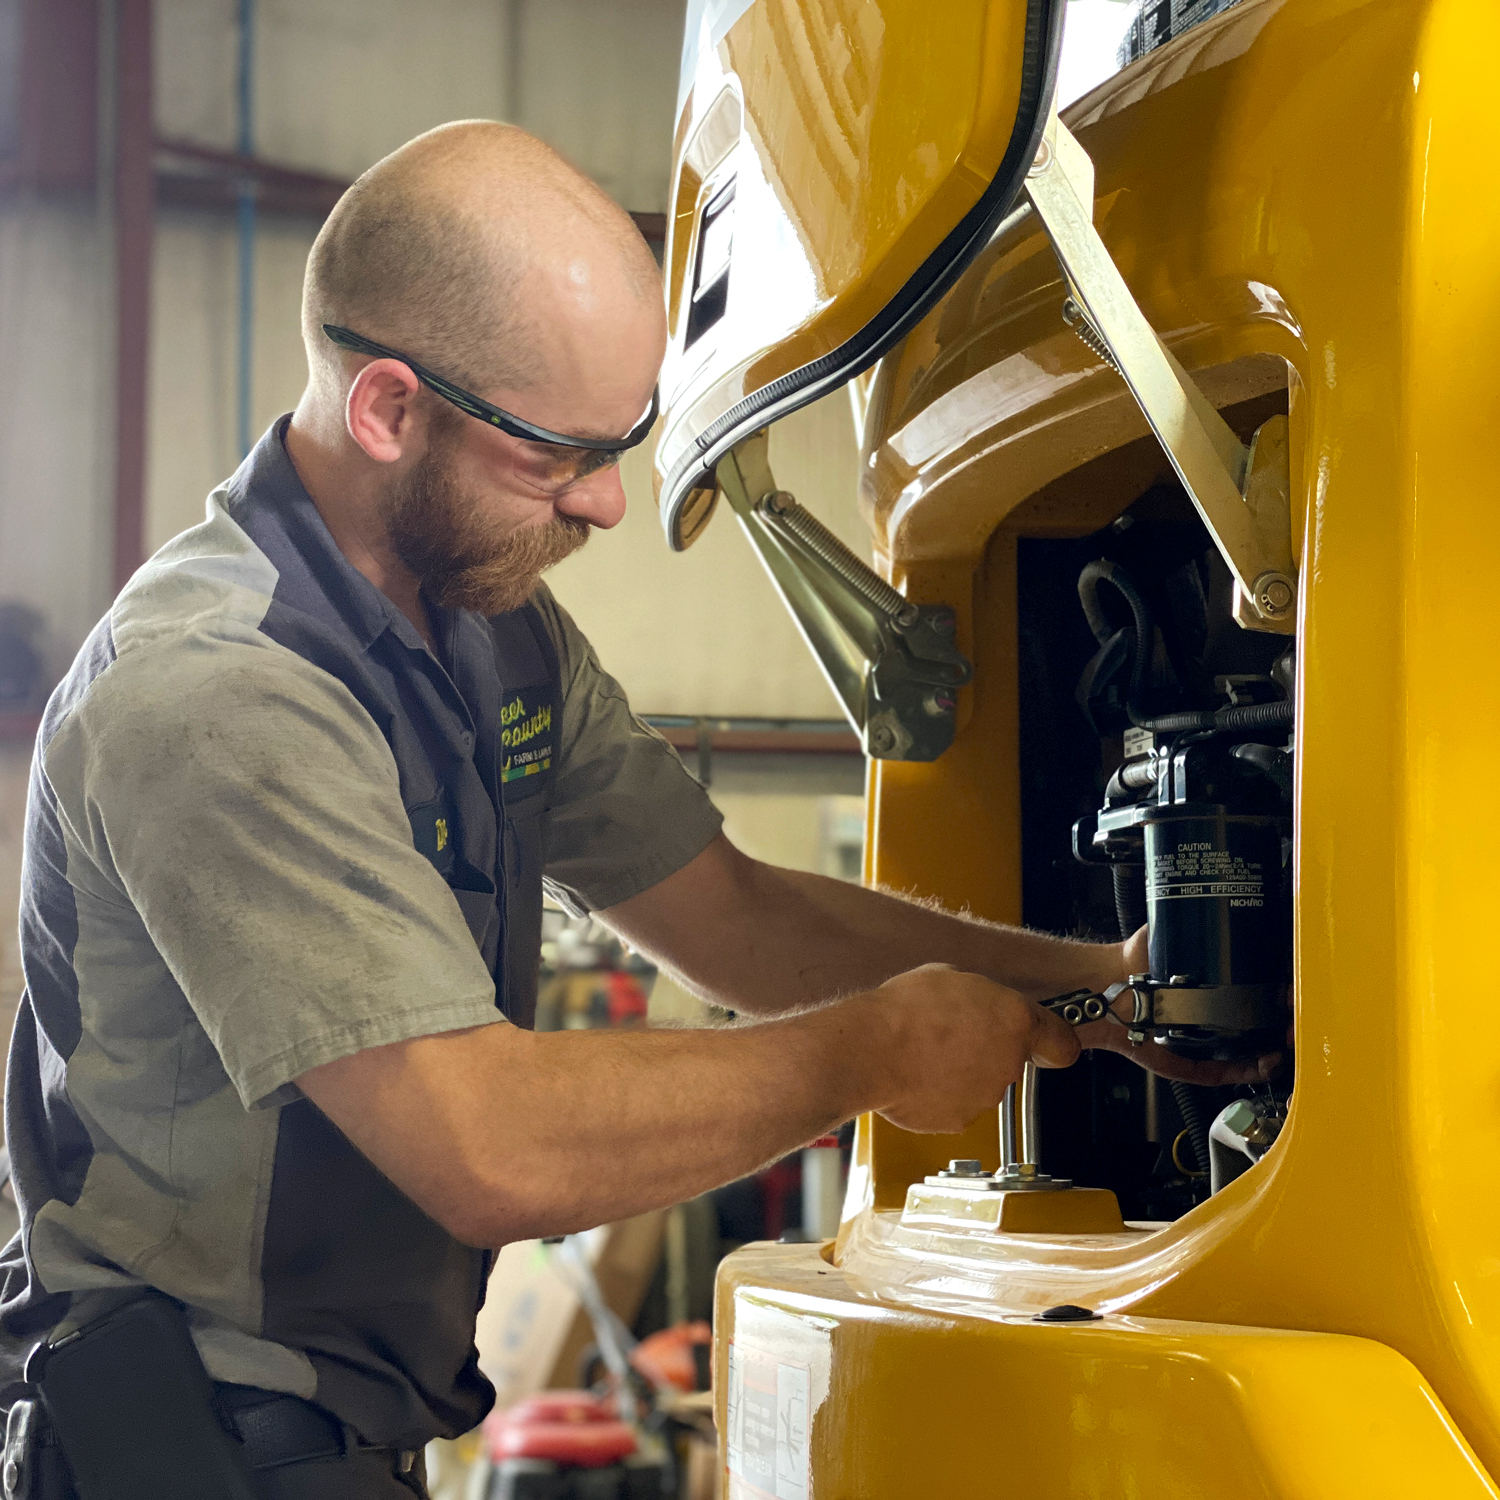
(1067, 1313)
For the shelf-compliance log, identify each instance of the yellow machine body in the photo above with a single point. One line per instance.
(826, 151)
(1304, 198)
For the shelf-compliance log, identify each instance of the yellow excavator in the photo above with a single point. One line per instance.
(1176, 425)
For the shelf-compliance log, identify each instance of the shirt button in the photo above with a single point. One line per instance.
(468, 740)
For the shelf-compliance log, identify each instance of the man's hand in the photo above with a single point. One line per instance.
(1110, 1036)
(957, 1042)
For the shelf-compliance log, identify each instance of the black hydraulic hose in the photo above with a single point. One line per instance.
(1133, 776)
(1104, 571)
(1243, 716)
(1088, 596)
(1187, 1106)
(1246, 716)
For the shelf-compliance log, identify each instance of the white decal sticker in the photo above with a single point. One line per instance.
(770, 1419)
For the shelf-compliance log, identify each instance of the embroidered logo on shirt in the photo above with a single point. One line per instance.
(441, 828)
(525, 735)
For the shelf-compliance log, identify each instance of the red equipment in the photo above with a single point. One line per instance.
(564, 1427)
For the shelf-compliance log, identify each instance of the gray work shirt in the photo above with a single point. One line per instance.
(267, 828)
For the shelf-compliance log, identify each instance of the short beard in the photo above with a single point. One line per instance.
(464, 558)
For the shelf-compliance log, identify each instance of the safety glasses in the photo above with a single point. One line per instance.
(569, 459)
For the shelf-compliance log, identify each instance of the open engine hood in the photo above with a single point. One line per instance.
(837, 164)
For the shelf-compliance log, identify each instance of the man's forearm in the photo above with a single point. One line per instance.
(885, 933)
(503, 1134)
(762, 939)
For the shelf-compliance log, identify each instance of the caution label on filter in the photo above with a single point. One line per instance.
(1196, 871)
(769, 1418)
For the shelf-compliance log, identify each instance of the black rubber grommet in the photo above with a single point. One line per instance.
(1068, 1313)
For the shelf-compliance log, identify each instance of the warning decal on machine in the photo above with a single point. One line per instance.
(769, 1418)
(1199, 870)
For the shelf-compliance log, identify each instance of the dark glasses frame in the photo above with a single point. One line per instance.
(476, 406)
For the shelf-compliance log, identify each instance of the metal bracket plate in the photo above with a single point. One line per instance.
(893, 665)
(1243, 494)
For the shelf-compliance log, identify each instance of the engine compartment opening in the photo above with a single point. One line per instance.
(1156, 749)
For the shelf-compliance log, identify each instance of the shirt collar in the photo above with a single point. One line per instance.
(267, 493)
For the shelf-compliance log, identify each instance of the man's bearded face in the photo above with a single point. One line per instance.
(466, 556)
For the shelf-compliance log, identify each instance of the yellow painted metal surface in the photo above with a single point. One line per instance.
(857, 134)
(913, 1401)
(1304, 197)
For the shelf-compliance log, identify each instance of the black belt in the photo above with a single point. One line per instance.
(277, 1429)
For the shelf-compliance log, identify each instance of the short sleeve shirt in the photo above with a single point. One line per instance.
(267, 829)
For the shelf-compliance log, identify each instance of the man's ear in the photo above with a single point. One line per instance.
(380, 412)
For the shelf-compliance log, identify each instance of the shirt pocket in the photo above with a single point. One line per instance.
(434, 830)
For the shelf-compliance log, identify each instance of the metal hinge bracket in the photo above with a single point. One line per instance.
(893, 665)
(1242, 493)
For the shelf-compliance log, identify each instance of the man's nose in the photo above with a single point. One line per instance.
(599, 499)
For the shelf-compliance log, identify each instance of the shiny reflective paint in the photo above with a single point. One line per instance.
(857, 133)
(956, 1398)
(1303, 196)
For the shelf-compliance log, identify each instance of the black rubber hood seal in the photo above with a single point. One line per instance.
(801, 387)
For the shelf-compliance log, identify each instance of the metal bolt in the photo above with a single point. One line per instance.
(12, 1477)
(944, 624)
(966, 1166)
(1274, 594)
(882, 737)
(941, 703)
(1043, 159)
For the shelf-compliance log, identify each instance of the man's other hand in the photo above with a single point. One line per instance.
(956, 1042)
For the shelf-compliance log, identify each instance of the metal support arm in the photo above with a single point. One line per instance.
(892, 664)
(1243, 494)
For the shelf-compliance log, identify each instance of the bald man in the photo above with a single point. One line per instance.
(292, 816)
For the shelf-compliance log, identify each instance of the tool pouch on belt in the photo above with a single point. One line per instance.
(132, 1409)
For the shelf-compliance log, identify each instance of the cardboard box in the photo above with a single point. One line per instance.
(532, 1328)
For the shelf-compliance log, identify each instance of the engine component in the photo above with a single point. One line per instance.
(1199, 812)
(1244, 1131)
